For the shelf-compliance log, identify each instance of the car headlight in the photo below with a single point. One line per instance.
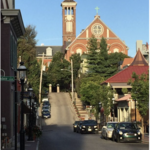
(95, 126)
(75, 125)
(120, 132)
(139, 133)
(83, 126)
(135, 134)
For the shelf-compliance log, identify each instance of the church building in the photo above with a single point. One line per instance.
(73, 44)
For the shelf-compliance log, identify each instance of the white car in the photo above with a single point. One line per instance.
(44, 99)
(107, 130)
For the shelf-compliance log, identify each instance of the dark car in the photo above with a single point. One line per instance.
(79, 126)
(46, 114)
(75, 125)
(89, 126)
(126, 131)
(46, 103)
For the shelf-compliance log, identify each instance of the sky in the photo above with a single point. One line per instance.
(128, 19)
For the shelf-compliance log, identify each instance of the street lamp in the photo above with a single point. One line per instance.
(71, 76)
(113, 99)
(100, 106)
(30, 138)
(22, 74)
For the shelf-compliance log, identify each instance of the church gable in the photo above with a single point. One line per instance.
(99, 30)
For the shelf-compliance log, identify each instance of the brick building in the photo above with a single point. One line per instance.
(12, 28)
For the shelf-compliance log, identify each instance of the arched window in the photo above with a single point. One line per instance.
(79, 51)
(116, 50)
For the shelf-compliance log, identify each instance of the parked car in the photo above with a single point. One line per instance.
(79, 126)
(126, 131)
(89, 126)
(46, 114)
(75, 125)
(44, 99)
(46, 103)
(108, 130)
(45, 108)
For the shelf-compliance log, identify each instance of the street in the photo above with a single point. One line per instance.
(58, 131)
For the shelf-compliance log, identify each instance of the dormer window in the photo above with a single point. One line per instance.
(49, 51)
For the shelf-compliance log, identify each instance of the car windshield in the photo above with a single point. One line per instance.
(90, 122)
(111, 125)
(128, 126)
(46, 112)
(45, 107)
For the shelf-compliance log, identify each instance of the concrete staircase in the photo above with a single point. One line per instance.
(82, 111)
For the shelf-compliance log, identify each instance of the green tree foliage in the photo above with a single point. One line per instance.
(99, 61)
(57, 76)
(140, 92)
(26, 49)
(92, 92)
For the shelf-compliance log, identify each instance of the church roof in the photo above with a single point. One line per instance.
(139, 66)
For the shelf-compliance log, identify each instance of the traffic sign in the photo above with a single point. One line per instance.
(7, 78)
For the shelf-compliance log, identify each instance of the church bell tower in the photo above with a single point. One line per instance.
(68, 21)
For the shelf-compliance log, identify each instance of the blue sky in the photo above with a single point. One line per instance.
(128, 19)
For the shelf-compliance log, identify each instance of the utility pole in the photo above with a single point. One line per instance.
(72, 78)
(41, 79)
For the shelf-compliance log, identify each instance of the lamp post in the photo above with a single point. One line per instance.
(135, 109)
(113, 99)
(30, 138)
(22, 74)
(71, 76)
(100, 106)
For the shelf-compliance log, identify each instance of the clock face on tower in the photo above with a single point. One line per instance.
(97, 29)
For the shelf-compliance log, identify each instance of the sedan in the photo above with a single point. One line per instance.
(126, 131)
(46, 114)
(89, 126)
(107, 130)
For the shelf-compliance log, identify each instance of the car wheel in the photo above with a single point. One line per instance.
(102, 136)
(118, 140)
(106, 138)
(77, 130)
(113, 138)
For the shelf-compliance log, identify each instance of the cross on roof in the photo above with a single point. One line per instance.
(97, 10)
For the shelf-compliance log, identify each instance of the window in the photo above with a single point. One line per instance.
(79, 51)
(116, 50)
(49, 51)
(97, 29)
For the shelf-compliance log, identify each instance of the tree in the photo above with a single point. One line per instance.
(99, 61)
(57, 76)
(93, 92)
(140, 92)
(26, 49)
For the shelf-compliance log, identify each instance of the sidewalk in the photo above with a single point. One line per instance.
(146, 138)
(29, 145)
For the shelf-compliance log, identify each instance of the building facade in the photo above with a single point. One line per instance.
(12, 27)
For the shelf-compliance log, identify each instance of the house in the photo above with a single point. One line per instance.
(12, 27)
(124, 104)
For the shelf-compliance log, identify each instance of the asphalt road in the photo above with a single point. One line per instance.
(58, 131)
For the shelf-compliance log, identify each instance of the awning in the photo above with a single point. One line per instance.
(125, 98)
